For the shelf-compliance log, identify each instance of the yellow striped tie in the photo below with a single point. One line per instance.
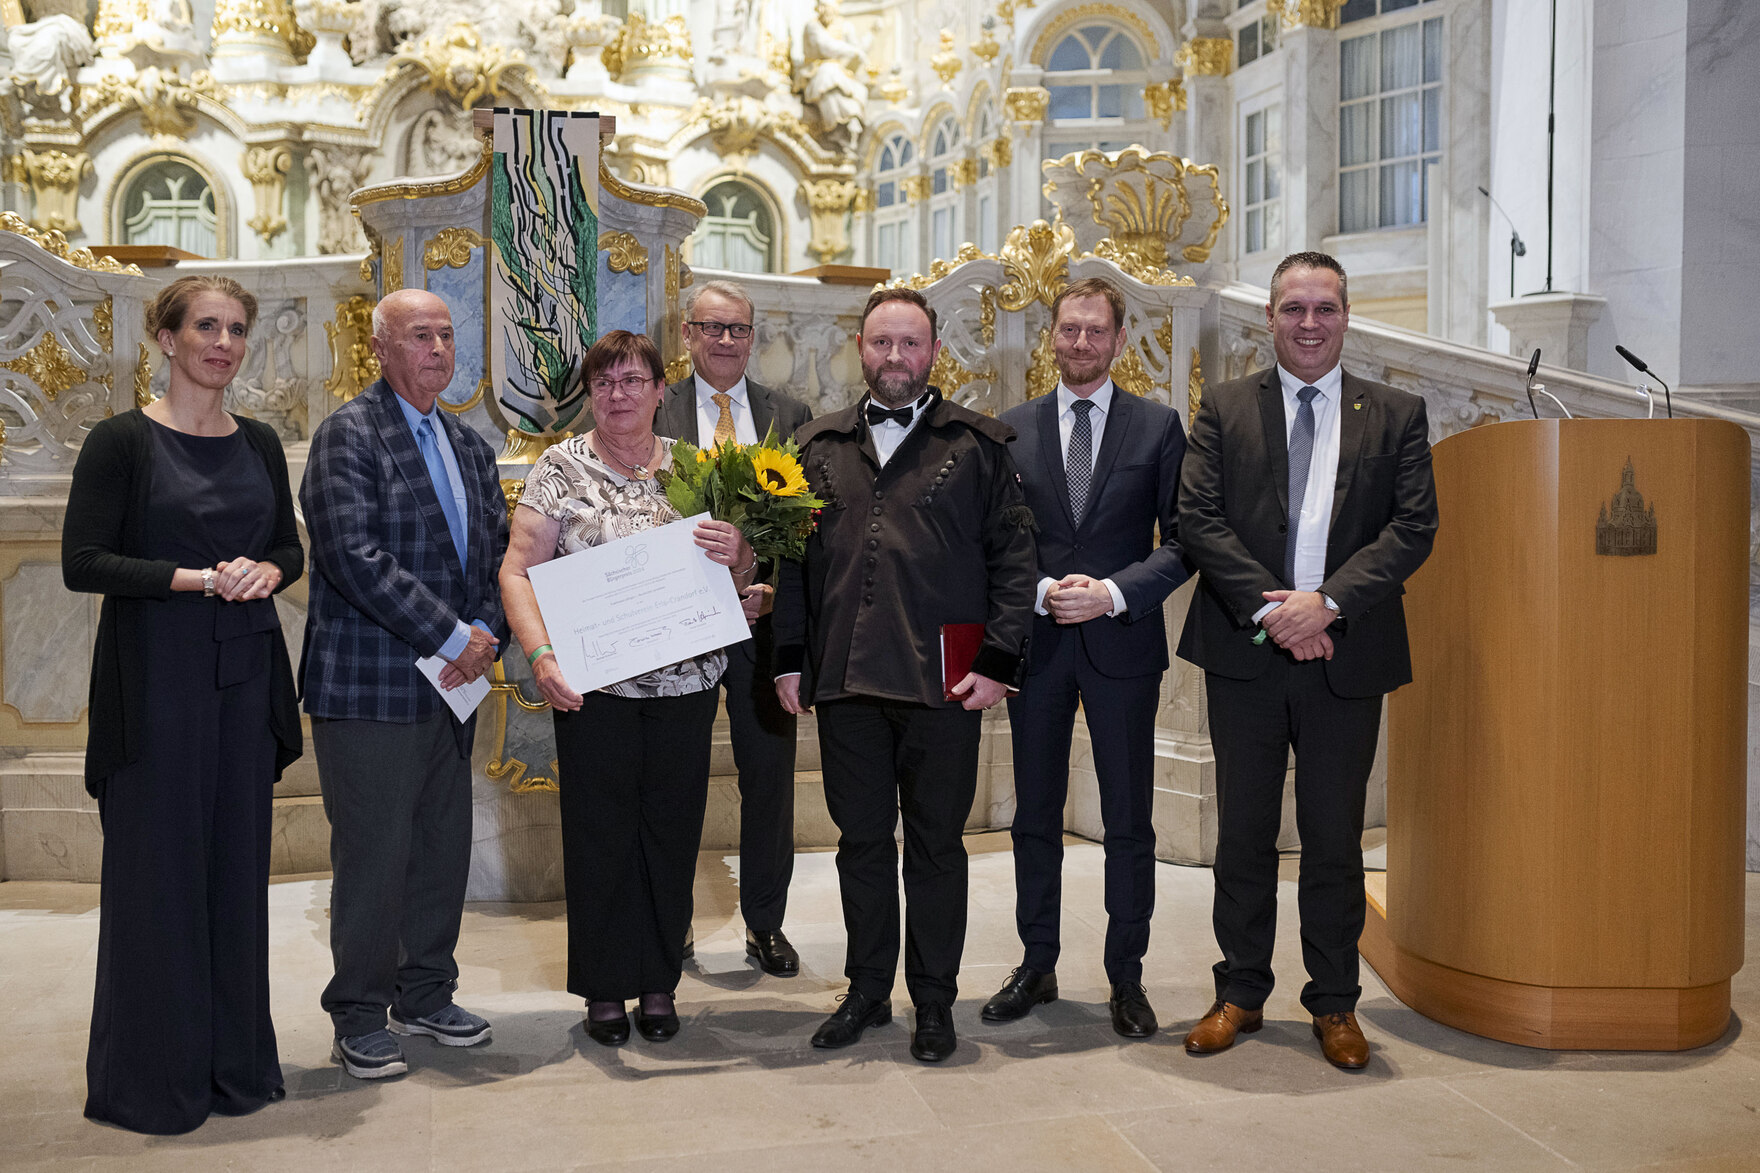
(724, 425)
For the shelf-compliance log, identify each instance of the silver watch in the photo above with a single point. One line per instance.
(208, 579)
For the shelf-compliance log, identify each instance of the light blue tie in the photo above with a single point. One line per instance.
(442, 483)
(1301, 455)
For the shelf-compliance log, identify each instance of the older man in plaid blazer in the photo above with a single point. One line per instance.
(408, 527)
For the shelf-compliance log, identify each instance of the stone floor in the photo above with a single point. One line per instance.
(741, 1089)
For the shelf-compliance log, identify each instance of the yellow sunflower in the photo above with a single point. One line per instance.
(779, 474)
(702, 457)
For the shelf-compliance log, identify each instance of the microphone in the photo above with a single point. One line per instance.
(1533, 365)
(1639, 365)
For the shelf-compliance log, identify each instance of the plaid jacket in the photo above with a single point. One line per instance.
(386, 584)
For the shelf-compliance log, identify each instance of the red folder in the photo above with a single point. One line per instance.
(959, 647)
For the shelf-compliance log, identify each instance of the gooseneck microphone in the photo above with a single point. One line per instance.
(1533, 365)
(1639, 365)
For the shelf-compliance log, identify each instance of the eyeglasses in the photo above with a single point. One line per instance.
(1092, 333)
(739, 331)
(629, 385)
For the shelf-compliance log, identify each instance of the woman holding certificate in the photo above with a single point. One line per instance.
(632, 757)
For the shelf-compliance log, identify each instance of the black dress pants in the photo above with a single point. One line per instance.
(763, 751)
(883, 759)
(634, 774)
(1121, 727)
(1253, 725)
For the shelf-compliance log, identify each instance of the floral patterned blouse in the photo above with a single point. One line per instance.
(596, 504)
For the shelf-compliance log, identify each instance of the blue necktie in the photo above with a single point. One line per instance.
(1301, 455)
(442, 484)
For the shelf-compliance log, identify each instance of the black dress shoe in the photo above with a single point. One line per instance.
(933, 1040)
(848, 1021)
(1132, 1016)
(775, 955)
(609, 1032)
(656, 1028)
(1024, 989)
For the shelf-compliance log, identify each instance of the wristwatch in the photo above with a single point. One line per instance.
(208, 579)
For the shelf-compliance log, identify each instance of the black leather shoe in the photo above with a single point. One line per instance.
(1024, 989)
(609, 1032)
(775, 955)
(1132, 1016)
(656, 1028)
(848, 1021)
(933, 1040)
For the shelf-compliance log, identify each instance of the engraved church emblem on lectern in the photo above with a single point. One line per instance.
(1626, 526)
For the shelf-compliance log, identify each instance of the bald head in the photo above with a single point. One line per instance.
(412, 339)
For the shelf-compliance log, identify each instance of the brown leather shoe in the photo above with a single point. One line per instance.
(1216, 1030)
(1342, 1041)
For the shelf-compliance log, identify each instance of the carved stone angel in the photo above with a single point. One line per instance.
(831, 66)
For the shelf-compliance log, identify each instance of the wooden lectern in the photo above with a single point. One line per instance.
(1566, 783)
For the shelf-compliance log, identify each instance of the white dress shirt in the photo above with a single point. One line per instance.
(1066, 422)
(1316, 517)
(889, 434)
(745, 428)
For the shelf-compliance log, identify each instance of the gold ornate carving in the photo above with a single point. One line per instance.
(863, 201)
(55, 178)
(54, 242)
(1162, 98)
(104, 322)
(525, 447)
(938, 269)
(739, 122)
(964, 173)
(1206, 57)
(828, 203)
(1007, 8)
(267, 168)
(895, 89)
(500, 767)
(451, 247)
(166, 102)
(1128, 372)
(353, 366)
(641, 41)
(1000, 152)
(1200, 252)
(1139, 200)
(143, 377)
(1042, 373)
(449, 185)
(627, 254)
(260, 22)
(945, 60)
(391, 266)
(50, 367)
(986, 47)
(1035, 260)
(1195, 380)
(651, 199)
(13, 170)
(678, 368)
(1626, 528)
(1314, 14)
(512, 489)
(916, 188)
(1027, 103)
(987, 315)
(456, 64)
(1069, 18)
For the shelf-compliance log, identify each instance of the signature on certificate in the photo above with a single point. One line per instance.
(700, 618)
(652, 636)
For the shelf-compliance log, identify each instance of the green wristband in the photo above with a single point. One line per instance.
(539, 651)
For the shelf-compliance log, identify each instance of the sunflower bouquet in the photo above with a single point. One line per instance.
(760, 487)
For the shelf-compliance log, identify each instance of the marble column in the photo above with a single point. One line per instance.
(1310, 136)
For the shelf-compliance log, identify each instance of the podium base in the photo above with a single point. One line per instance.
(1568, 1018)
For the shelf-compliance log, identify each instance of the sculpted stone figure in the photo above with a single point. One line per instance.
(831, 64)
(46, 54)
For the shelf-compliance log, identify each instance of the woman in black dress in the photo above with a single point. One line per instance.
(181, 517)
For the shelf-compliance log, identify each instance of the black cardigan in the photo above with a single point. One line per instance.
(101, 543)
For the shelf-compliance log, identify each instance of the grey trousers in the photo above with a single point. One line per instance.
(399, 802)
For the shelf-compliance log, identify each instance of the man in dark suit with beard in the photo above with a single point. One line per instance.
(1305, 502)
(718, 402)
(1100, 468)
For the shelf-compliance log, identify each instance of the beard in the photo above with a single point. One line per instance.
(894, 386)
(1079, 373)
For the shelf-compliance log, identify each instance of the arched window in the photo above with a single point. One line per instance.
(170, 202)
(894, 247)
(944, 200)
(739, 233)
(1096, 78)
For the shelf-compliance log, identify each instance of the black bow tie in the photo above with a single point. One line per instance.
(898, 415)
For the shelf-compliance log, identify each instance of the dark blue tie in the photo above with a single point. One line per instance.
(1079, 465)
(442, 484)
(1301, 455)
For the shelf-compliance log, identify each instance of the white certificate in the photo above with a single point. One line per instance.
(636, 604)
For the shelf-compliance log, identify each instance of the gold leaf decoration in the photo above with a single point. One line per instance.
(104, 322)
(143, 377)
(55, 243)
(1042, 373)
(50, 367)
(451, 247)
(1194, 381)
(1035, 259)
(626, 254)
(353, 365)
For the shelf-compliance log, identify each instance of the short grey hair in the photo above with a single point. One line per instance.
(725, 289)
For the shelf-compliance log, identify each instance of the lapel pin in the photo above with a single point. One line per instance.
(1356, 407)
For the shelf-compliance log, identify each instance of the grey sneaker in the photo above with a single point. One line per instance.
(450, 1026)
(370, 1056)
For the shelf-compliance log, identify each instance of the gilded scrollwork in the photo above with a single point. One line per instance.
(1128, 372)
(50, 367)
(55, 177)
(1314, 14)
(1162, 99)
(1035, 260)
(987, 315)
(1206, 56)
(641, 41)
(1054, 30)
(1195, 380)
(143, 377)
(166, 101)
(391, 265)
(829, 202)
(502, 766)
(104, 322)
(624, 253)
(945, 60)
(266, 168)
(1200, 252)
(451, 248)
(1027, 103)
(260, 22)
(353, 366)
(1042, 373)
(459, 65)
(1132, 206)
